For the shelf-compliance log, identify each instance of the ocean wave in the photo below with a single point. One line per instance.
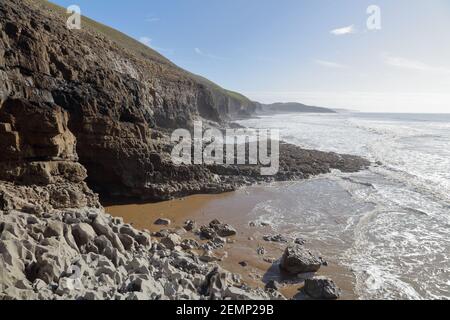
(393, 219)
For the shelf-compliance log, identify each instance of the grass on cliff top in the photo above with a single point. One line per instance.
(115, 35)
(142, 50)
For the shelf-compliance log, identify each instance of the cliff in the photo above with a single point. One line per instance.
(95, 105)
(96, 97)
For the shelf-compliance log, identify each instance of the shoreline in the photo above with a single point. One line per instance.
(234, 208)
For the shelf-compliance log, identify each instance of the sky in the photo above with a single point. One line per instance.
(320, 52)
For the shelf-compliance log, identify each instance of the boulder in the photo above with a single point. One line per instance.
(68, 236)
(208, 257)
(222, 229)
(272, 285)
(161, 234)
(261, 251)
(143, 239)
(102, 226)
(296, 259)
(163, 222)
(275, 238)
(54, 229)
(190, 225)
(171, 241)
(83, 234)
(235, 293)
(225, 230)
(127, 241)
(207, 233)
(189, 244)
(216, 282)
(322, 288)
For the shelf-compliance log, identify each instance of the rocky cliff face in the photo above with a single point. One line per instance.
(97, 98)
(95, 104)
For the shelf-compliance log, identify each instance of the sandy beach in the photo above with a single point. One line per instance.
(235, 208)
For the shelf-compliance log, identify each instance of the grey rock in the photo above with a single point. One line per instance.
(163, 222)
(189, 244)
(54, 229)
(296, 259)
(171, 241)
(261, 251)
(207, 233)
(32, 220)
(102, 226)
(143, 239)
(272, 285)
(39, 285)
(322, 288)
(217, 243)
(222, 229)
(190, 225)
(161, 234)
(83, 234)
(243, 264)
(235, 293)
(33, 209)
(127, 241)
(208, 257)
(275, 238)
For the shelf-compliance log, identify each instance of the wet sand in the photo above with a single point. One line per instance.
(234, 208)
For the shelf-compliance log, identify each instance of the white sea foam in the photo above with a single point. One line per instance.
(391, 223)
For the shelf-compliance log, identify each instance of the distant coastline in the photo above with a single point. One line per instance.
(291, 107)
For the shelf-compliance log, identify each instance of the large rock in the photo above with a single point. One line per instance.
(162, 222)
(102, 226)
(143, 238)
(322, 288)
(296, 259)
(171, 241)
(207, 233)
(225, 230)
(83, 234)
(54, 229)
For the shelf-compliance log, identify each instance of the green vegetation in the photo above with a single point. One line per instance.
(144, 51)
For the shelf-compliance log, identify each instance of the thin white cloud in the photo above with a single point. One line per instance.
(414, 65)
(152, 19)
(343, 31)
(148, 42)
(145, 40)
(198, 51)
(207, 55)
(330, 64)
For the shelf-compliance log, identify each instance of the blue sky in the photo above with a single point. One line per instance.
(316, 52)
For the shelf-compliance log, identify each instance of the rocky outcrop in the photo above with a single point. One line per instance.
(97, 99)
(321, 288)
(85, 254)
(107, 92)
(297, 259)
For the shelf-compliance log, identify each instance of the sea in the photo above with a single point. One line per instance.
(389, 224)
